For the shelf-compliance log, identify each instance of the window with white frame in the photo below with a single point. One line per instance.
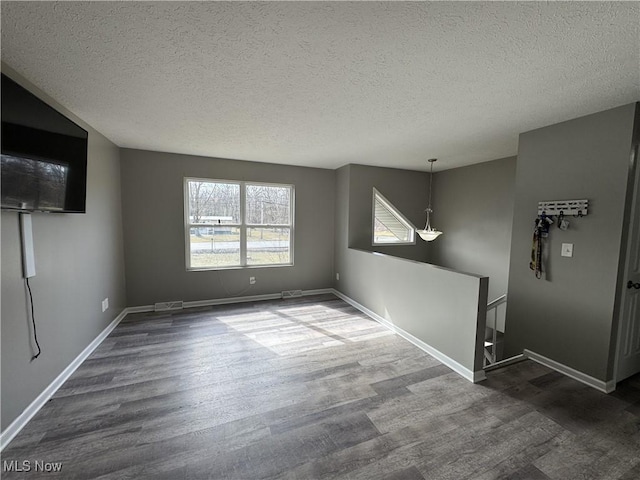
(390, 227)
(237, 224)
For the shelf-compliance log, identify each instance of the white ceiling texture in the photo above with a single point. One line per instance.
(327, 83)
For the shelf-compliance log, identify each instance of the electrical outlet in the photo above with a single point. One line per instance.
(252, 280)
(337, 276)
(105, 304)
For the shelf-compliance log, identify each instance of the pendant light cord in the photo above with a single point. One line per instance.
(429, 210)
(430, 183)
(429, 233)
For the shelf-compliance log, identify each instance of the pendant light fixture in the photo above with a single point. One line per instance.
(429, 233)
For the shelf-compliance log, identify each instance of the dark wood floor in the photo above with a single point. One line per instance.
(310, 388)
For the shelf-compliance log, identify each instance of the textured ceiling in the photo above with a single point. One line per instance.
(325, 84)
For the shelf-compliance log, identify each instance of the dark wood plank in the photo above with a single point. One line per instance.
(310, 388)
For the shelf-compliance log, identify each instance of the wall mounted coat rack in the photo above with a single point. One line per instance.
(576, 208)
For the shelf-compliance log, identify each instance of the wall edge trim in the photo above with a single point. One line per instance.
(600, 385)
(34, 407)
(461, 370)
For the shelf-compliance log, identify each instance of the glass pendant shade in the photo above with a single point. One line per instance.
(428, 234)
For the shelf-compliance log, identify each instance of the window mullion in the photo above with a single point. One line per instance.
(243, 224)
(187, 222)
(211, 210)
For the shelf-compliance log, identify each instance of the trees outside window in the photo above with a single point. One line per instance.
(237, 224)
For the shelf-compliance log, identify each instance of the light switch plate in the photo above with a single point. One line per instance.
(567, 250)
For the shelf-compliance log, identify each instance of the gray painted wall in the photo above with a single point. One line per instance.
(79, 262)
(473, 206)
(568, 316)
(153, 213)
(407, 190)
(341, 237)
(440, 307)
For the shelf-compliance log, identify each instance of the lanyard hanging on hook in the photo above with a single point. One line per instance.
(540, 232)
(536, 250)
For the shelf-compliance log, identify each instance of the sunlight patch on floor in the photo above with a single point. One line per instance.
(296, 329)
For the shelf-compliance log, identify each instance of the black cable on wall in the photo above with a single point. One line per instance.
(33, 320)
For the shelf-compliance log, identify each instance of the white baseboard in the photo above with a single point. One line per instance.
(505, 363)
(140, 309)
(251, 298)
(606, 387)
(19, 423)
(318, 291)
(470, 375)
(229, 300)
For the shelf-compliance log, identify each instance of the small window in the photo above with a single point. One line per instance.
(390, 227)
(237, 224)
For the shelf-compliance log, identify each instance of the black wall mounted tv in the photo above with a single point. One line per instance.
(44, 155)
